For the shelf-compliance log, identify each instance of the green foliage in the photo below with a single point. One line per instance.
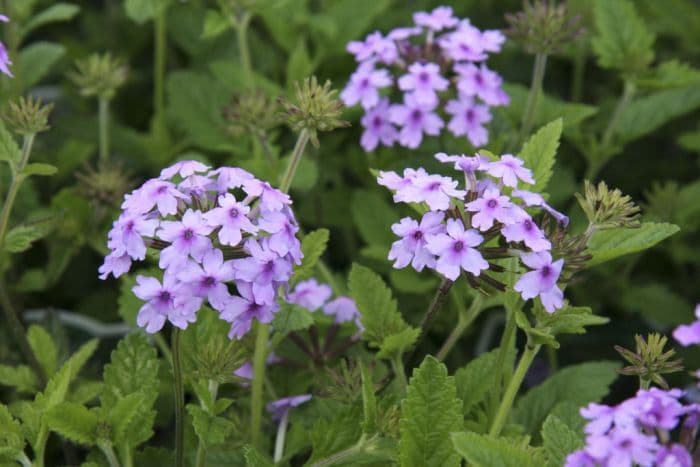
(9, 151)
(609, 244)
(559, 440)
(313, 245)
(292, 318)
(141, 11)
(430, 412)
(21, 237)
(74, 422)
(55, 13)
(482, 451)
(36, 60)
(44, 348)
(211, 429)
(476, 380)
(539, 151)
(20, 377)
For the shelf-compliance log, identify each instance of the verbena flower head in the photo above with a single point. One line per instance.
(5, 61)
(221, 237)
(457, 234)
(639, 431)
(314, 296)
(436, 70)
(689, 334)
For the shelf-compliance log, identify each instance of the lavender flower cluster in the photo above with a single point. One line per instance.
(456, 232)
(438, 64)
(5, 61)
(638, 432)
(212, 229)
(313, 296)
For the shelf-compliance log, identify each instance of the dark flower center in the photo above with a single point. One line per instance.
(161, 189)
(459, 245)
(527, 225)
(164, 296)
(423, 77)
(469, 115)
(364, 83)
(269, 266)
(434, 186)
(377, 122)
(417, 235)
(209, 281)
(417, 115)
(233, 212)
(492, 203)
(129, 226)
(188, 234)
(546, 271)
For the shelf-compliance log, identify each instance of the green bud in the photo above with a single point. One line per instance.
(252, 112)
(315, 108)
(543, 27)
(99, 75)
(27, 116)
(608, 209)
(104, 185)
(572, 248)
(650, 361)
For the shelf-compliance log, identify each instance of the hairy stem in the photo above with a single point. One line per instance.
(397, 366)
(201, 460)
(435, 305)
(294, 160)
(512, 389)
(465, 320)
(627, 94)
(256, 405)
(103, 120)
(16, 182)
(279, 439)
(507, 340)
(241, 26)
(106, 448)
(533, 96)
(159, 66)
(178, 384)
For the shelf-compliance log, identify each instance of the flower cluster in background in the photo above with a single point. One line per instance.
(5, 61)
(313, 296)
(456, 233)
(438, 68)
(639, 431)
(213, 229)
(689, 334)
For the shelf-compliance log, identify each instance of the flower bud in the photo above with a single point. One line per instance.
(99, 75)
(543, 27)
(650, 360)
(104, 185)
(27, 116)
(608, 209)
(250, 112)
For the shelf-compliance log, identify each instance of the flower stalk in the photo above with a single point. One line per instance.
(464, 321)
(256, 405)
(533, 96)
(103, 121)
(178, 384)
(159, 66)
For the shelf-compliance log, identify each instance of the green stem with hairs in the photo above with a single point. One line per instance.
(106, 448)
(533, 96)
(465, 320)
(103, 120)
(258, 383)
(397, 366)
(159, 67)
(241, 25)
(201, 459)
(179, 387)
(512, 390)
(295, 158)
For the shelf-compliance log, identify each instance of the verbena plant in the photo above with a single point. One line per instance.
(440, 278)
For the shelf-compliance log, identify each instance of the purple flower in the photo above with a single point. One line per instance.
(411, 249)
(434, 190)
(283, 228)
(208, 280)
(423, 80)
(542, 280)
(655, 408)
(271, 199)
(491, 206)
(437, 20)
(674, 456)
(344, 309)
(466, 164)
(466, 43)
(468, 120)
(415, 119)
(689, 334)
(164, 195)
(310, 294)
(492, 40)
(164, 302)
(263, 269)
(374, 46)
(579, 458)
(228, 178)
(114, 264)
(535, 199)
(364, 86)
(377, 127)
(127, 235)
(623, 447)
(281, 407)
(393, 181)
(231, 216)
(455, 252)
(188, 237)
(5, 61)
(241, 311)
(525, 230)
(509, 169)
(183, 168)
(481, 82)
(245, 371)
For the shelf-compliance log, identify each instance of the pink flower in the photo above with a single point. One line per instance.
(5, 61)
(364, 86)
(415, 119)
(374, 46)
(423, 80)
(183, 168)
(468, 119)
(479, 81)
(466, 43)
(689, 334)
(127, 235)
(377, 127)
(164, 302)
(209, 279)
(542, 280)
(434, 190)
(231, 216)
(411, 248)
(490, 207)
(525, 230)
(437, 20)
(187, 237)
(535, 199)
(164, 195)
(281, 407)
(241, 311)
(344, 309)
(310, 294)
(455, 250)
(509, 169)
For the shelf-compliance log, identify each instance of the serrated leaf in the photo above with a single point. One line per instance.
(80, 357)
(609, 244)
(253, 458)
(338, 431)
(623, 41)
(483, 451)
(559, 440)
(313, 245)
(215, 24)
(40, 169)
(211, 429)
(378, 311)
(571, 320)
(578, 384)
(539, 151)
(133, 367)
(20, 377)
(53, 14)
(396, 344)
(21, 237)
(429, 413)
(476, 380)
(11, 436)
(9, 151)
(123, 413)
(85, 391)
(74, 422)
(292, 318)
(36, 60)
(671, 74)
(44, 348)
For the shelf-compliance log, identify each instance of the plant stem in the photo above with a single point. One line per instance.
(178, 384)
(162, 344)
(512, 389)
(103, 119)
(279, 439)
(506, 342)
(16, 182)
(433, 308)
(159, 66)
(40, 447)
(258, 383)
(106, 448)
(294, 160)
(23, 460)
(241, 26)
(341, 455)
(397, 366)
(627, 94)
(465, 320)
(201, 448)
(532, 98)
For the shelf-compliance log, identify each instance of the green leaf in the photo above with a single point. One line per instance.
(577, 384)
(610, 244)
(373, 217)
(53, 14)
(21, 237)
(340, 429)
(559, 440)
(369, 401)
(429, 413)
(378, 311)
(658, 304)
(36, 60)
(129, 304)
(215, 24)
(292, 318)
(623, 41)
(9, 151)
(74, 422)
(20, 377)
(80, 357)
(56, 389)
(570, 320)
(134, 367)
(299, 65)
(44, 348)
(396, 344)
(124, 413)
(476, 380)
(483, 451)
(11, 436)
(671, 74)
(210, 429)
(40, 169)
(253, 458)
(539, 151)
(141, 11)
(313, 245)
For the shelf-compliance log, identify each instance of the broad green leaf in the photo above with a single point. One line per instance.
(141, 11)
(622, 40)
(539, 151)
(210, 429)
(36, 60)
(429, 413)
(335, 432)
(56, 389)
(313, 245)
(373, 217)
(20, 377)
(559, 440)
(40, 169)
(134, 367)
(396, 344)
(378, 311)
(44, 348)
(610, 244)
(74, 422)
(658, 304)
(21, 237)
(577, 384)
(214, 24)
(80, 357)
(671, 74)
(292, 318)
(53, 14)
(299, 65)
(476, 380)
(9, 151)
(85, 391)
(124, 413)
(11, 436)
(253, 458)
(570, 320)
(483, 451)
